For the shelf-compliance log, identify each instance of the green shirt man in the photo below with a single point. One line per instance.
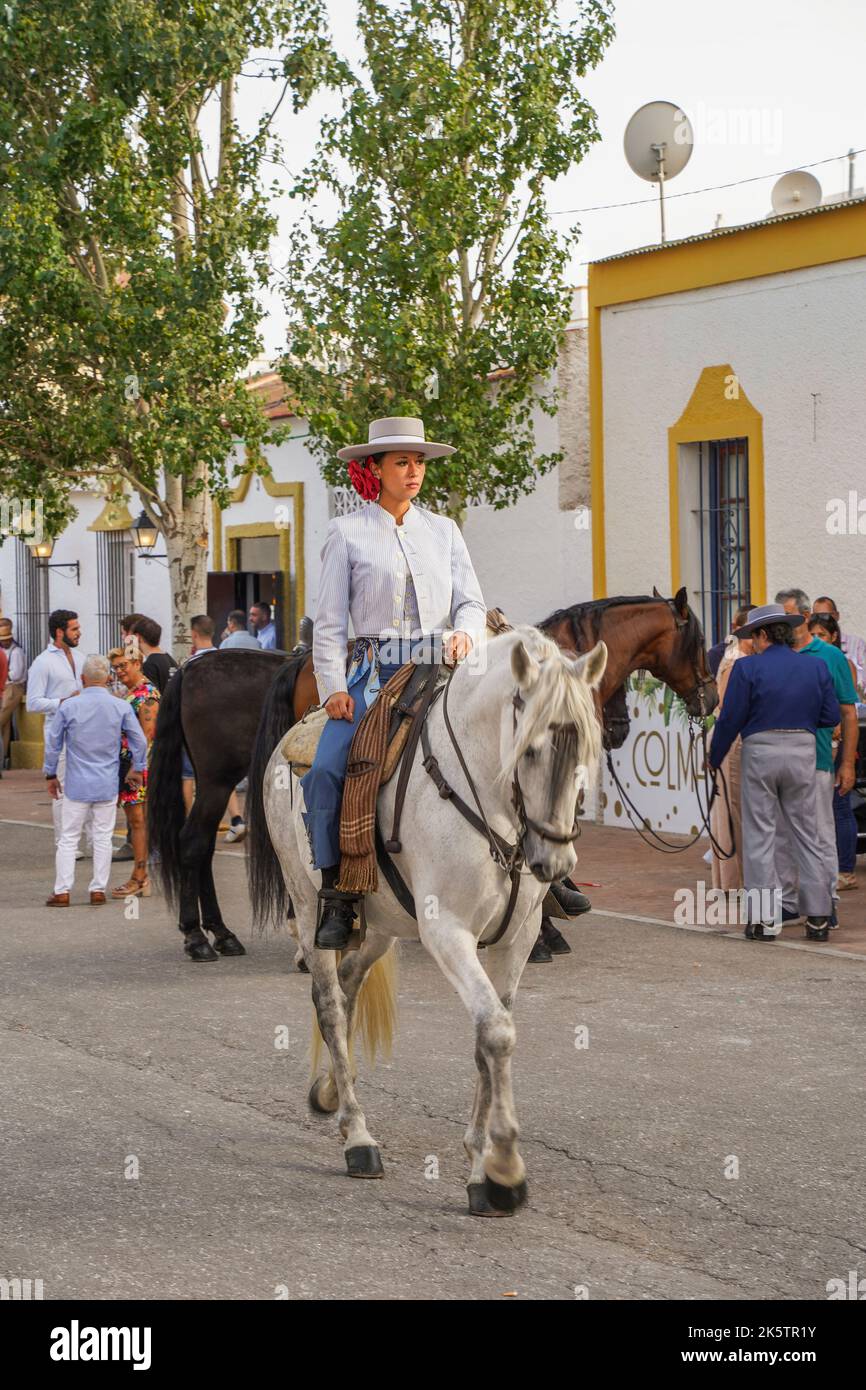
(840, 673)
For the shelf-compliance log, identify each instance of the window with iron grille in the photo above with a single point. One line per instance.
(31, 602)
(723, 526)
(115, 585)
(345, 500)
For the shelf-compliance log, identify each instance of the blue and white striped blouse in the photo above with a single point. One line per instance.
(370, 566)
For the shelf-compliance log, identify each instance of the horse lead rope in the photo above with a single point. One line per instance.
(657, 841)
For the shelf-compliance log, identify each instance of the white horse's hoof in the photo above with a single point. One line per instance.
(479, 1204)
(364, 1161)
(504, 1201)
(323, 1096)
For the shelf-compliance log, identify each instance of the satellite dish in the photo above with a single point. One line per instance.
(795, 192)
(658, 145)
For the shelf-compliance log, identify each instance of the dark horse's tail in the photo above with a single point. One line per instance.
(165, 809)
(268, 895)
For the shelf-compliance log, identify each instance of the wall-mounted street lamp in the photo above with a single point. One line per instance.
(42, 552)
(144, 535)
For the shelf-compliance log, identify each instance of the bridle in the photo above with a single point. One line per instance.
(563, 736)
(701, 682)
(510, 857)
(697, 734)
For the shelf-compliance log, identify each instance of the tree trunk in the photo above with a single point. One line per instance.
(186, 540)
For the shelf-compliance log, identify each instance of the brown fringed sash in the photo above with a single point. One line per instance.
(358, 872)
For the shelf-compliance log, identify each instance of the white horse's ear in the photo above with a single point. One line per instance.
(591, 667)
(524, 667)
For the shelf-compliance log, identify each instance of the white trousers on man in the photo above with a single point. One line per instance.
(825, 843)
(103, 815)
(57, 808)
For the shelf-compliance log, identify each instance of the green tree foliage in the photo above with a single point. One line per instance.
(441, 266)
(129, 269)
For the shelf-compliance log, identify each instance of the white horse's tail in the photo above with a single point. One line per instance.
(375, 1014)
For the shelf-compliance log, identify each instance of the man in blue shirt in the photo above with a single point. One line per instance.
(89, 728)
(260, 617)
(778, 702)
(238, 635)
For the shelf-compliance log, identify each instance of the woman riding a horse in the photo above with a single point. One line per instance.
(400, 572)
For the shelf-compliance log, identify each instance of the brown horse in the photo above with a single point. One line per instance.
(213, 706)
(656, 634)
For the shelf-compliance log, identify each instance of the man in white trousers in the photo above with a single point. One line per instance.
(89, 729)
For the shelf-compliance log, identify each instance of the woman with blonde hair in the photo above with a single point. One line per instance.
(126, 663)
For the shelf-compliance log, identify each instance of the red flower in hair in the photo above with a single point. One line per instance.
(362, 479)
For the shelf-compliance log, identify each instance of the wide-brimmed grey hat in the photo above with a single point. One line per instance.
(395, 432)
(770, 613)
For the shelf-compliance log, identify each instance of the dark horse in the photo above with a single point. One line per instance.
(214, 705)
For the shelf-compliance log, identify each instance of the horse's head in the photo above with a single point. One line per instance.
(551, 744)
(679, 657)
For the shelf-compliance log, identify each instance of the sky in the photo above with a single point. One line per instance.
(768, 85)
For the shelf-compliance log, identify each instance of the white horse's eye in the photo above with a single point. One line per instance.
(531, 753)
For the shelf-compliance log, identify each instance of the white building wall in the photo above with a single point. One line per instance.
(77, 543)
(797, 344)
(532, 558)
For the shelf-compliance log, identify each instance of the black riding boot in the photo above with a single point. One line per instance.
(334, 931)
(570, 899)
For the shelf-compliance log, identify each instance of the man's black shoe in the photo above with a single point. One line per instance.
(755, 932)
(817, 929)
(334, 931)
(570, 899)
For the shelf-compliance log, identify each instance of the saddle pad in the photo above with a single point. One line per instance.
(300, 743)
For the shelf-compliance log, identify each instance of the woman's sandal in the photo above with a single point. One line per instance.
(135, 888)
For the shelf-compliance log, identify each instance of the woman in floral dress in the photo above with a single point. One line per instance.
(126, 664)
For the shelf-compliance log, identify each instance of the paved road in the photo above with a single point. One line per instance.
(700, 1048)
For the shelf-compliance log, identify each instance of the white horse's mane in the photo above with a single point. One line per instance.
(560, 694)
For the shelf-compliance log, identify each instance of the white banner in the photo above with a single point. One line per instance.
(657, 769)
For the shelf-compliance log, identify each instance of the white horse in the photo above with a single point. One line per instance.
(525, 723)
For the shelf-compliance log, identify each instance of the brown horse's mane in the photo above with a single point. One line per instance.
(691, 636)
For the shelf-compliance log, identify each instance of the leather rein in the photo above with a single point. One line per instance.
(509, 857)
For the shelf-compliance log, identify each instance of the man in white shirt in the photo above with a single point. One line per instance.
(16, 682)
(55, 676)
(264, 626)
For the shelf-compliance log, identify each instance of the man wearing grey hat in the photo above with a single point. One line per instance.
(778, 702)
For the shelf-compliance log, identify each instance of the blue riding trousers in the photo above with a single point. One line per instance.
(323, 784)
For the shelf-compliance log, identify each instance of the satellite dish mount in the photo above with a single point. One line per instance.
(658, 145)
